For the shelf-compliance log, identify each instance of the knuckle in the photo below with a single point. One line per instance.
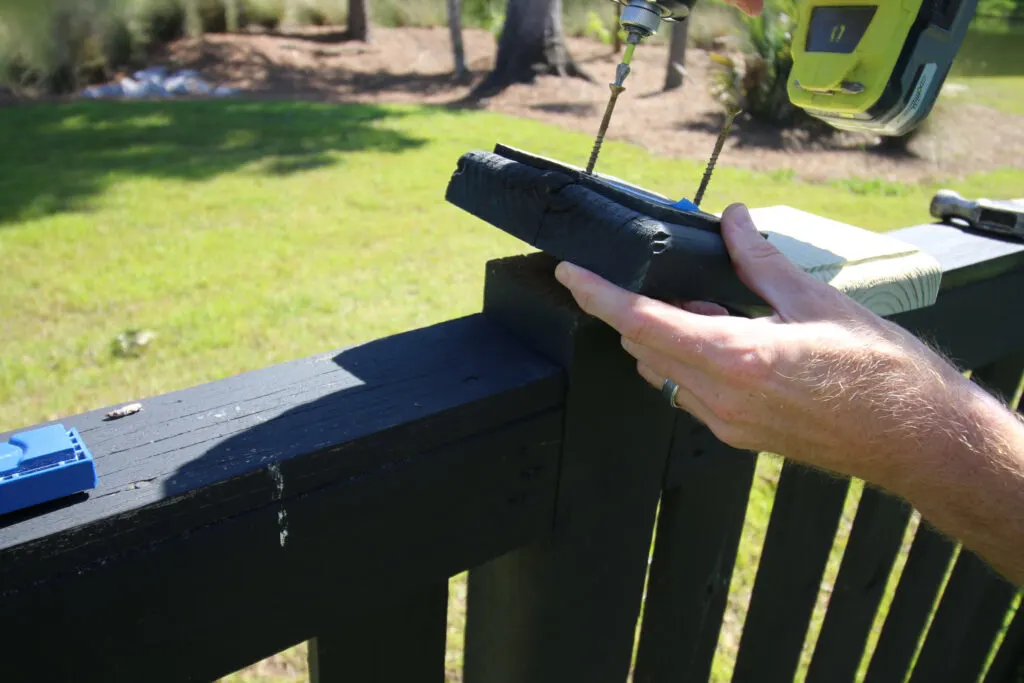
(764, 250)
(749, 362)
(638, 325)
(584, 299)
(725, 410)
(729, 413)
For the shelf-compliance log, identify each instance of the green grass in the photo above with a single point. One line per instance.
(991, 64)
(250, 233)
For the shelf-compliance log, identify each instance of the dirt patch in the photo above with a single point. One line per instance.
(414, 65)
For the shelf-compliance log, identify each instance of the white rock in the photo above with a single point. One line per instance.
(224, 91)
(177, 85)
(105, 90)
(139, 89)
(153, 73)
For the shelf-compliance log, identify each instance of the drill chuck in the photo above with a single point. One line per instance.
(644, 16)
(641, 17)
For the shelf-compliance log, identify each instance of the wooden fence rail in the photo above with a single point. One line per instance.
(330, 500)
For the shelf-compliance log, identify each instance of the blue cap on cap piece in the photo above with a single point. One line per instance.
(43, 464)
(685, 204)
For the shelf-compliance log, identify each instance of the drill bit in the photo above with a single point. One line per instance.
(621, 71)
(719, 143)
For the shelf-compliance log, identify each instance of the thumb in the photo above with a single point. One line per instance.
(760, 265)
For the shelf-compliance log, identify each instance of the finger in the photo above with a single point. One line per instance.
(761, 266)
(703, 308)
(652, 323)
(665, 365)
(685, 400)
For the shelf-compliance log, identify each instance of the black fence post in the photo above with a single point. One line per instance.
(402, 641)
(566, 609)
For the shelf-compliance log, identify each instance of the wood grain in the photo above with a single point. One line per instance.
(378, 470)
(800, 536)
(963, 629)
(396, 642)
(916, 592)
(882, 273)
(699, 526)
(196, 456)
(976, 599)
(1008, 664)
(870, 553)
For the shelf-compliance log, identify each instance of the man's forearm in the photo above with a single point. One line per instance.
(967, 477)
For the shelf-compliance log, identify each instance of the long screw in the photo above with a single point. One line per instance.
(621, 71)
(599, 140)
(719, 143)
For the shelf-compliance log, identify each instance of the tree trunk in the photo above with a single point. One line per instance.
(676, 55)
(231, 16)
(617, 30)
(455, 29)
(532, 43)
(193, 19)
(359, 20)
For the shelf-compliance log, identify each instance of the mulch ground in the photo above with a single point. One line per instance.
(414, 65)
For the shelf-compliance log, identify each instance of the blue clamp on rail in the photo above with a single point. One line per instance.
(42, 465)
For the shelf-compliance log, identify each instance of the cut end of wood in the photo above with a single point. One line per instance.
(884, 274)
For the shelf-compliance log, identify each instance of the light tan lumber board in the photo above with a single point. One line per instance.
(882, 273)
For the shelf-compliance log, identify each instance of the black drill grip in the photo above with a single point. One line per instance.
(674, 255)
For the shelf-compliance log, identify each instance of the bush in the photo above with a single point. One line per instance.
(54, 46)
(713, 25)
(754, 79)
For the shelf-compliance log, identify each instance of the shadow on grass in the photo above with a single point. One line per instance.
(747, 133)
(56, 157)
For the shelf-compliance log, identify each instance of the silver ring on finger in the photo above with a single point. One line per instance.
(669, 390)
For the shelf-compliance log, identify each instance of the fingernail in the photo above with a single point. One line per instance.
(564, 271)
(742, 215)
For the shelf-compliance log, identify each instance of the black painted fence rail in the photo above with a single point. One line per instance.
(331, 499)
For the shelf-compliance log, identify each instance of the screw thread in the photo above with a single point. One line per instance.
(599, 140)
(709, 169)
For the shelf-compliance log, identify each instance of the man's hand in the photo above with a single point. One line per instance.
(824, 381)
(802, 382)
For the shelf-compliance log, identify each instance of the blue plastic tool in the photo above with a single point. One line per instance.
(43, 464)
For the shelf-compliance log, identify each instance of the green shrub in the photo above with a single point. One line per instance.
(158, 21)
(597, 29)
(408, 13)
(754, 79)
(486, 14)
(264, 13)
(714, 24)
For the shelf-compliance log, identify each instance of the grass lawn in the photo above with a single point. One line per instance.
(245, 234)
(249, 233)
(991, 64)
